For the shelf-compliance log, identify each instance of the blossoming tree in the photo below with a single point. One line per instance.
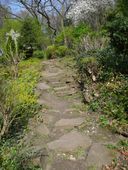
(91, 11)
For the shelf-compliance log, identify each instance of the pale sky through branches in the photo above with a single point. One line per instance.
(13, 5)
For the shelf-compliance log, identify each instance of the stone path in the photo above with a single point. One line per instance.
(64, 135)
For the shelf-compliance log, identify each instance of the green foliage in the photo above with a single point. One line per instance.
(9, 157)
(94, 106)
(24, 86)
(104, 121)
(7, 26)
(113, 102)
(72, 34)
(19, 93)
(118, 33)
(116, 57)
(87, 67)
(31, 34)
(81, 30)
(39, 54)
(51, 52)
(68, 32)
(11, 56)
(122, 7)
(61, 51)
(13, 157)
(56, 51)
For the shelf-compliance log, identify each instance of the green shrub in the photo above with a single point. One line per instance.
(51, 52)
(13, 156)
(20, 97)
(117, 55)
(31, 36)
(8, 24)
(88, 68)
(56, 51)
(81, 30)
(113, 100)
(9, 156)
(68, 32)
(72, 35)
(17, 97)
(39, 54)
(122, 7)
(61, 51)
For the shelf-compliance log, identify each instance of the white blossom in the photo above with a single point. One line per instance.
(83, 9)
(14, 35)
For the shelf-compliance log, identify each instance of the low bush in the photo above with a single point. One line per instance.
(72, 35)
(61, 51)
(113, 103)
(68, 33)
(88, 68)
(18, 101)
(117, 54)
(56, 51)
(14, 157)
(39, 54)
(81, 30)
(21, 103)
(51, 52)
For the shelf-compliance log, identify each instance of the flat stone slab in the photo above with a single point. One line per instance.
(68, 165)
(51, 74)
(43, 86)
(98, 156)
(70, 142)
(61, 88)
(48, 119)
(69, 122)
(42, 130)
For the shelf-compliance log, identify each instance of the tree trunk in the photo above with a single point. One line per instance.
(5, 126)
(63, 30)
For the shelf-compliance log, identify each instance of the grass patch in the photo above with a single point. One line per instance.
(25, 101)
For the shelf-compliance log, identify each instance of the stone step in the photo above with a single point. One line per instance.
(68, 165)
(43, 86)
(70, 142)
(69, 123)
(98, 156)
(42, 130)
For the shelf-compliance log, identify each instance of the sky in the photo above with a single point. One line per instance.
(15, 7)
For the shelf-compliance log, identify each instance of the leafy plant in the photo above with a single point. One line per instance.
(31, 36)
(72, 35)
(18, 101)
(12, 56)
(39, 54)
(61, 51)
(117, 27)
(51, 52)
(8, 25)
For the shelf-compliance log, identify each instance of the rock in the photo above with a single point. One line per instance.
(63, 88)
(42, 130)
(98, 155)
(43, 86)
(48, 119)
(94, 78)
(70, 142)
(87, 97)
(72, 158)
(69, 122)
(68, 165)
